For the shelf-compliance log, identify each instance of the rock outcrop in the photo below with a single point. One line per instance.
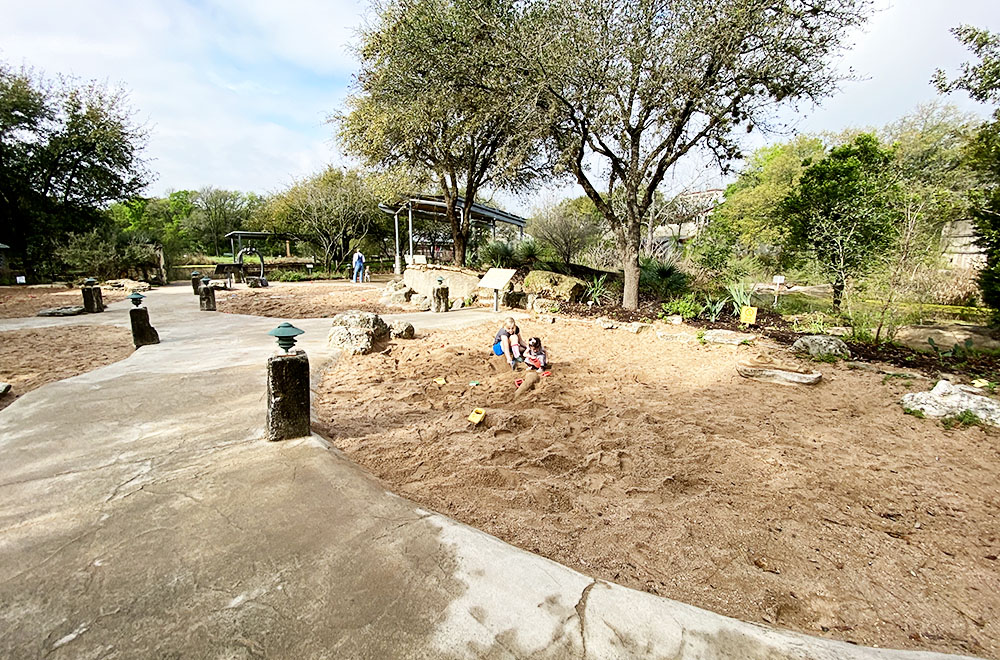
(553, 285)
(822, 345)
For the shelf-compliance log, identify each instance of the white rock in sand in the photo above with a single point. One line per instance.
(947, 399)
(727, 337)
(4, 388)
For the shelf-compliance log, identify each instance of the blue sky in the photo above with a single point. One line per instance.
(236, 92)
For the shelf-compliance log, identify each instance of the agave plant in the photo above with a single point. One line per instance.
(741, 296)
(712, 309)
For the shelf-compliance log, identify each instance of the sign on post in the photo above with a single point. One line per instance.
(497, 279)
(778, 281)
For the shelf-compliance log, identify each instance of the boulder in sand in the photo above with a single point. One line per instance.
(553, 285)
(4, 388)
(539, 304)
(401, 330)
(821, 345)
(70, 310)
(421, 302)
(947, 399)
(396, 292)
(730, 337)
(356, 332)
(765, 368)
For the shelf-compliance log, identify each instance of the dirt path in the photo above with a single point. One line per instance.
(32, 358)
(653, 465)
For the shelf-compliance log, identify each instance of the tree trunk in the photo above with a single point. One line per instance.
(630, 264)
(838, 293)
(461, 242)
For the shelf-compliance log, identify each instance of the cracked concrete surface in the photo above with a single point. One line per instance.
(142, 515)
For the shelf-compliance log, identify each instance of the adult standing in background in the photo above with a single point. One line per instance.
(359, 265)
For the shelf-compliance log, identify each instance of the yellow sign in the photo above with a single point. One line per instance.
(748, 315)
(440, 381)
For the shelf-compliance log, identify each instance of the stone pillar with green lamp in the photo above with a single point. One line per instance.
(143, 334)
(93, 298)
(196, 282)
(287, 388)
(439, 296)
(206, 295)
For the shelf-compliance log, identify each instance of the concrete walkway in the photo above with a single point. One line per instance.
(142, 516)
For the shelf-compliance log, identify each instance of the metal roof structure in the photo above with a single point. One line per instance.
(434, 206)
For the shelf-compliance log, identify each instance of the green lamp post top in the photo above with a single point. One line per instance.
(136, 298)
(90, 281)
(206, 280)
(286, 334)
(440, 280)
(195, 273)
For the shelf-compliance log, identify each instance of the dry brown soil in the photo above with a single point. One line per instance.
(652, 464)
(32, 358)
(20, 301)
(300, 300)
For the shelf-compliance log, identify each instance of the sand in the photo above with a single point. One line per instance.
(32, 358)
(299, 300)
(21, 301)
(652, 464)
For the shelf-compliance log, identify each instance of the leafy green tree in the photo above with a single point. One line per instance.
(163, 221)
(982, 82)
(842, 211)
(430, 98)
(67, 149)
(751, 203)
(568, 227)
(333, 210)
(630, 87)
(220, 212)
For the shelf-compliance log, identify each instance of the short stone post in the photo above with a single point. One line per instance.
(287, 388)
(93, 298)
(206, 295)
(439, 297)
(196, 282)
(143, 334)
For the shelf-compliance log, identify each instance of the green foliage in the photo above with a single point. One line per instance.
(828, 358)
(741, 296)
(496, 254)
(714, 308)
(569, 227)
(963, 419)
(964, 349)
(597, 289)
(530, 252)
(105, 254)
(841, 213)
(67, 150)
(701, 337)
(687, 307)
(288, 276)
(661, 277)
(919, 414)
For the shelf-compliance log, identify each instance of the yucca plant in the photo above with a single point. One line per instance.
(497, 254)
(597, 289)
(712, 309)
(741, 295)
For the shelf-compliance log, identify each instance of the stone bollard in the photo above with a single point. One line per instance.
(93, 299)
(207, 298)
(439, 299)
(143, 334)
(196, 282)
(288, 396)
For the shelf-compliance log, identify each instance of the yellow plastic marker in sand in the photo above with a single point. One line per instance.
(477, 415)
(440, 381)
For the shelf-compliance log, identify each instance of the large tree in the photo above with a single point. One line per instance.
(632, 86)
(67, 149)
(568, 227)
(843, 213)
(430, 98)
(982, 81)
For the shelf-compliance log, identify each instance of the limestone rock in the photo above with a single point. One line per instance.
(256, 282)
(421, 302)
(765, 368)
(4, 388)
(457, 303)
(730, 337)
(514, 299)
(439, 299)
(947, 399)
(553, 285)
(820, 345)
(71, 310)
(676, 319)
(636, 327)
(680, 337)
(606, 324)
(946, 335)
(357, 333)
(401, 330)
(128, 285)
(543, 304)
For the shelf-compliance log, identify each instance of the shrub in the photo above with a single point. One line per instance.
(529, 252)
(496, 254)
(962, 419)
(713, 309)
(661, 277)
(288, 276)
(686, 307)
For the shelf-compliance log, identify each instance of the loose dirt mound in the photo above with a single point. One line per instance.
(654, 465)
(32, 358)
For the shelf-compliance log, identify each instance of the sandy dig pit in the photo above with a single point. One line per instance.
(301, 300)
(20, 301)
(32, 358)
(652, 464)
